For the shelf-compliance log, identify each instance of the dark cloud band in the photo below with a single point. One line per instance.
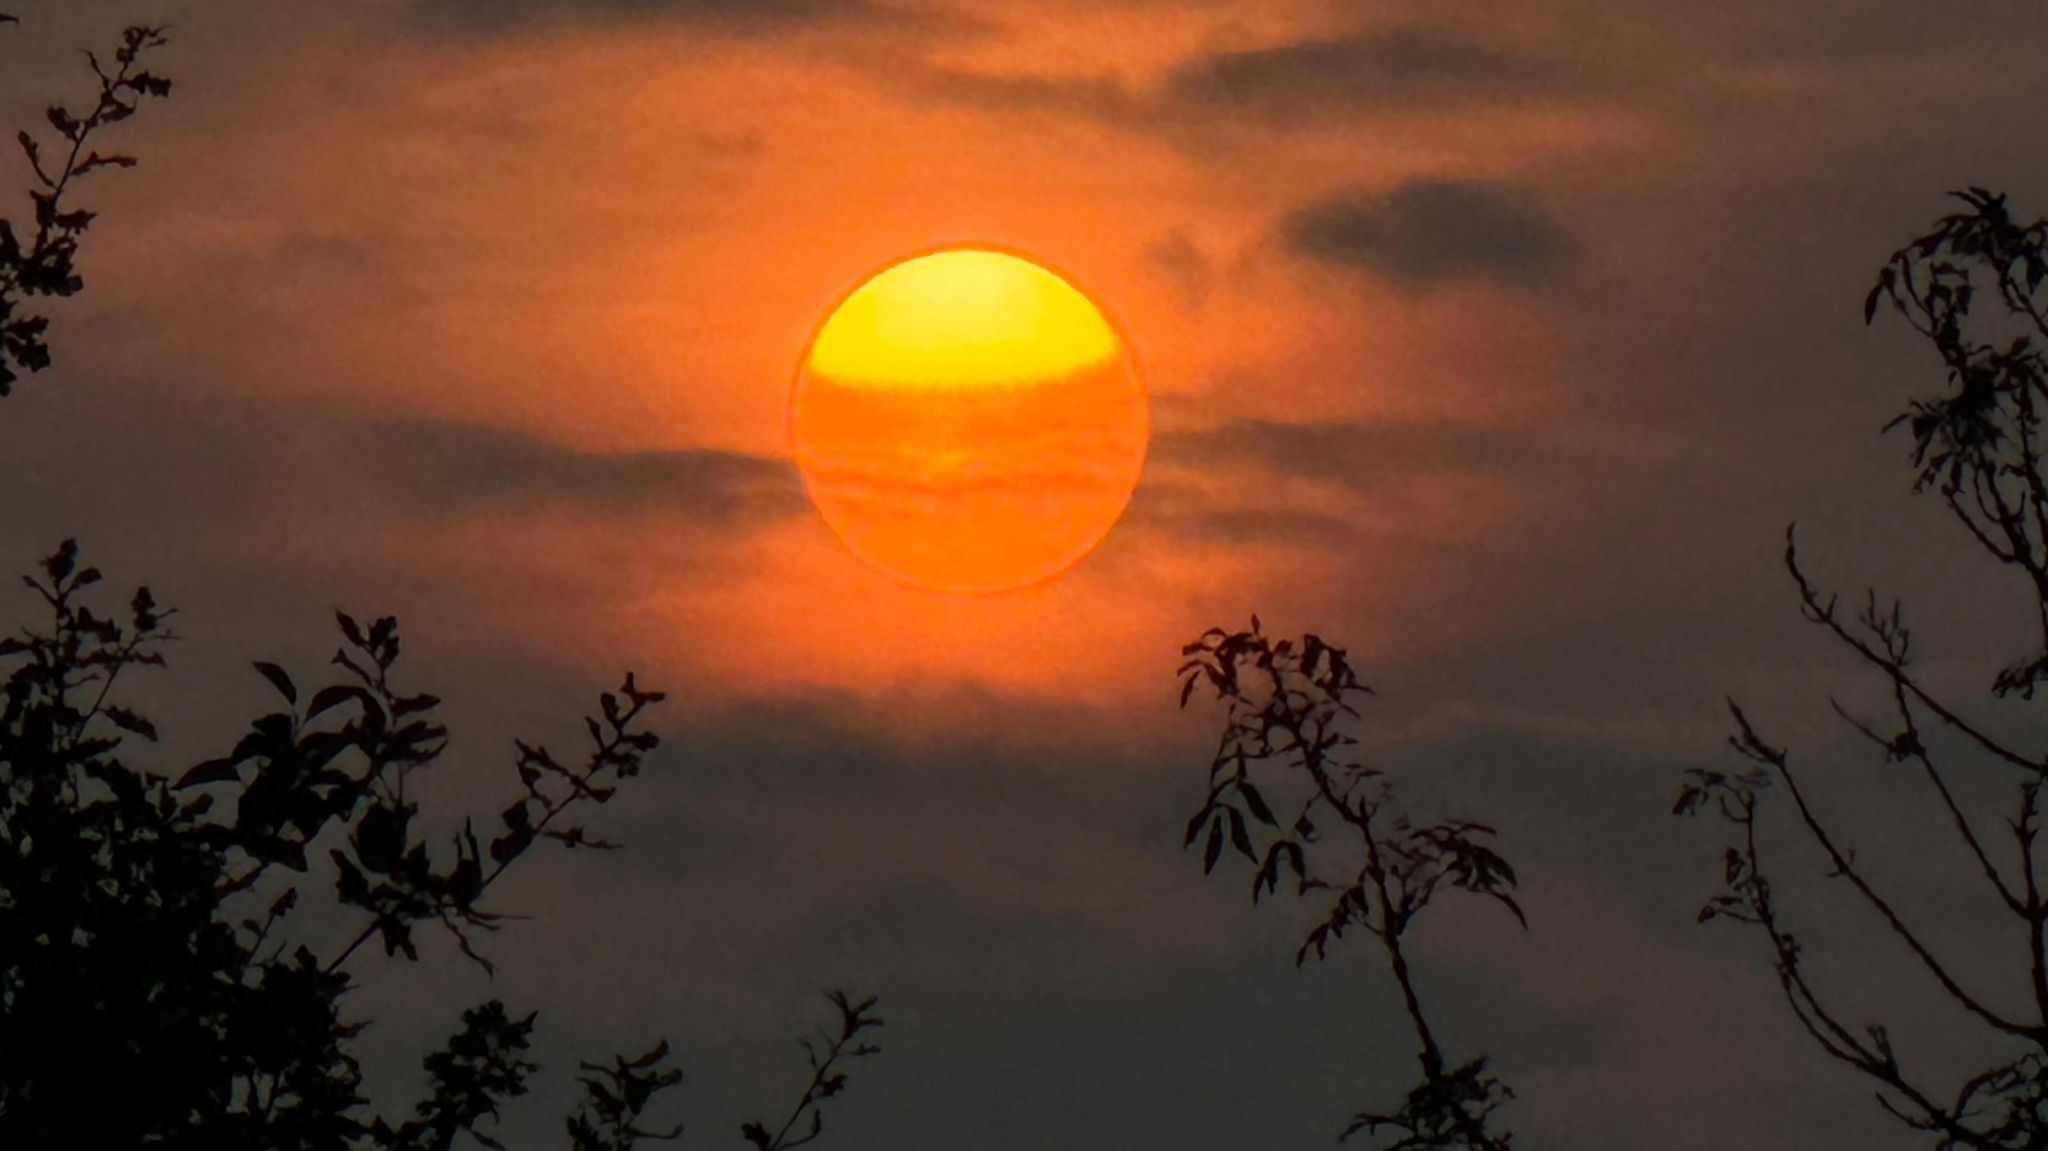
(742, 17)
(449, 467)
(1427, 231)
(1280, 86)
(1361, 74)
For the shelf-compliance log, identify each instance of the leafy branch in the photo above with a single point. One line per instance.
(1977, 447)
(826, 1053)
(616, 1096)
(44, 263)
(1287, 704)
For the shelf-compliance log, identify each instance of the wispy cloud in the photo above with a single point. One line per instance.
(1189, 512)
(448, 467)
(1178, 262)
(1427, 231)
(732, 17)
(1281, 86)
(1367, 72)
(1363, 457)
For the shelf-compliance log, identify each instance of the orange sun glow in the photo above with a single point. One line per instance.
(967, 421)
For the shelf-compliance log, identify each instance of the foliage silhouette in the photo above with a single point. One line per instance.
(149, 994)
(1287, 703)
(41, 260)
(143, 918)
(1978, 448)
(826, 1053)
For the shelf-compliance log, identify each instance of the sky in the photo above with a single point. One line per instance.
(1498, 343)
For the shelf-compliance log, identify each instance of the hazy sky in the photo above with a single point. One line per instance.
(1496, 341)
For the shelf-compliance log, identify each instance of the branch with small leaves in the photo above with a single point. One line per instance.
(1964, 287)
(1287, 704)
(139, 942)
(43, 260)
(1449, 1110)
(1747, 898)
(616, 1097)
(297, 788)
(827, 1053)
(480, 1066)
(84, 653)
(1979, 444)
(113, 946)
(392, 877)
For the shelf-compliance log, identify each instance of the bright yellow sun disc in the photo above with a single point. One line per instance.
(967, 421)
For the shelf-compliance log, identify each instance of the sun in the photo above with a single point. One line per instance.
(968, 421)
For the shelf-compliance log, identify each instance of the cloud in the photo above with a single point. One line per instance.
(1188, 512)
(1279, 86)
(1427, 231)
(1105, 98)
(1179, 263)
(1363, 73)
(246, 465)
(448, 467)
(1246, 466)
(733, 17)
(1364, 457)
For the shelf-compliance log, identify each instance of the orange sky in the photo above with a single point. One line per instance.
(616, 236)
(584, 240)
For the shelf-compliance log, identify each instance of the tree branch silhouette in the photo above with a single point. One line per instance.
(143, 1001)
(1286, 705)
(615, 1097)
(1976, 446)
(826, 1053)
(45, 262)
(129, 952)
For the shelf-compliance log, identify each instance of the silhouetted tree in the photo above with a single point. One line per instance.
(151, 991)
(1972, 289)
(41, 258)
(1287, 711)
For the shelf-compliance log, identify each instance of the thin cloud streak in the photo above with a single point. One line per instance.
(449, 468)
(1362, 456)
(1425, 232)
(745, 18)
(1367, 72)
(1292, 86)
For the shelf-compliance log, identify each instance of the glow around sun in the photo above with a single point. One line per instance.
(968, 421)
